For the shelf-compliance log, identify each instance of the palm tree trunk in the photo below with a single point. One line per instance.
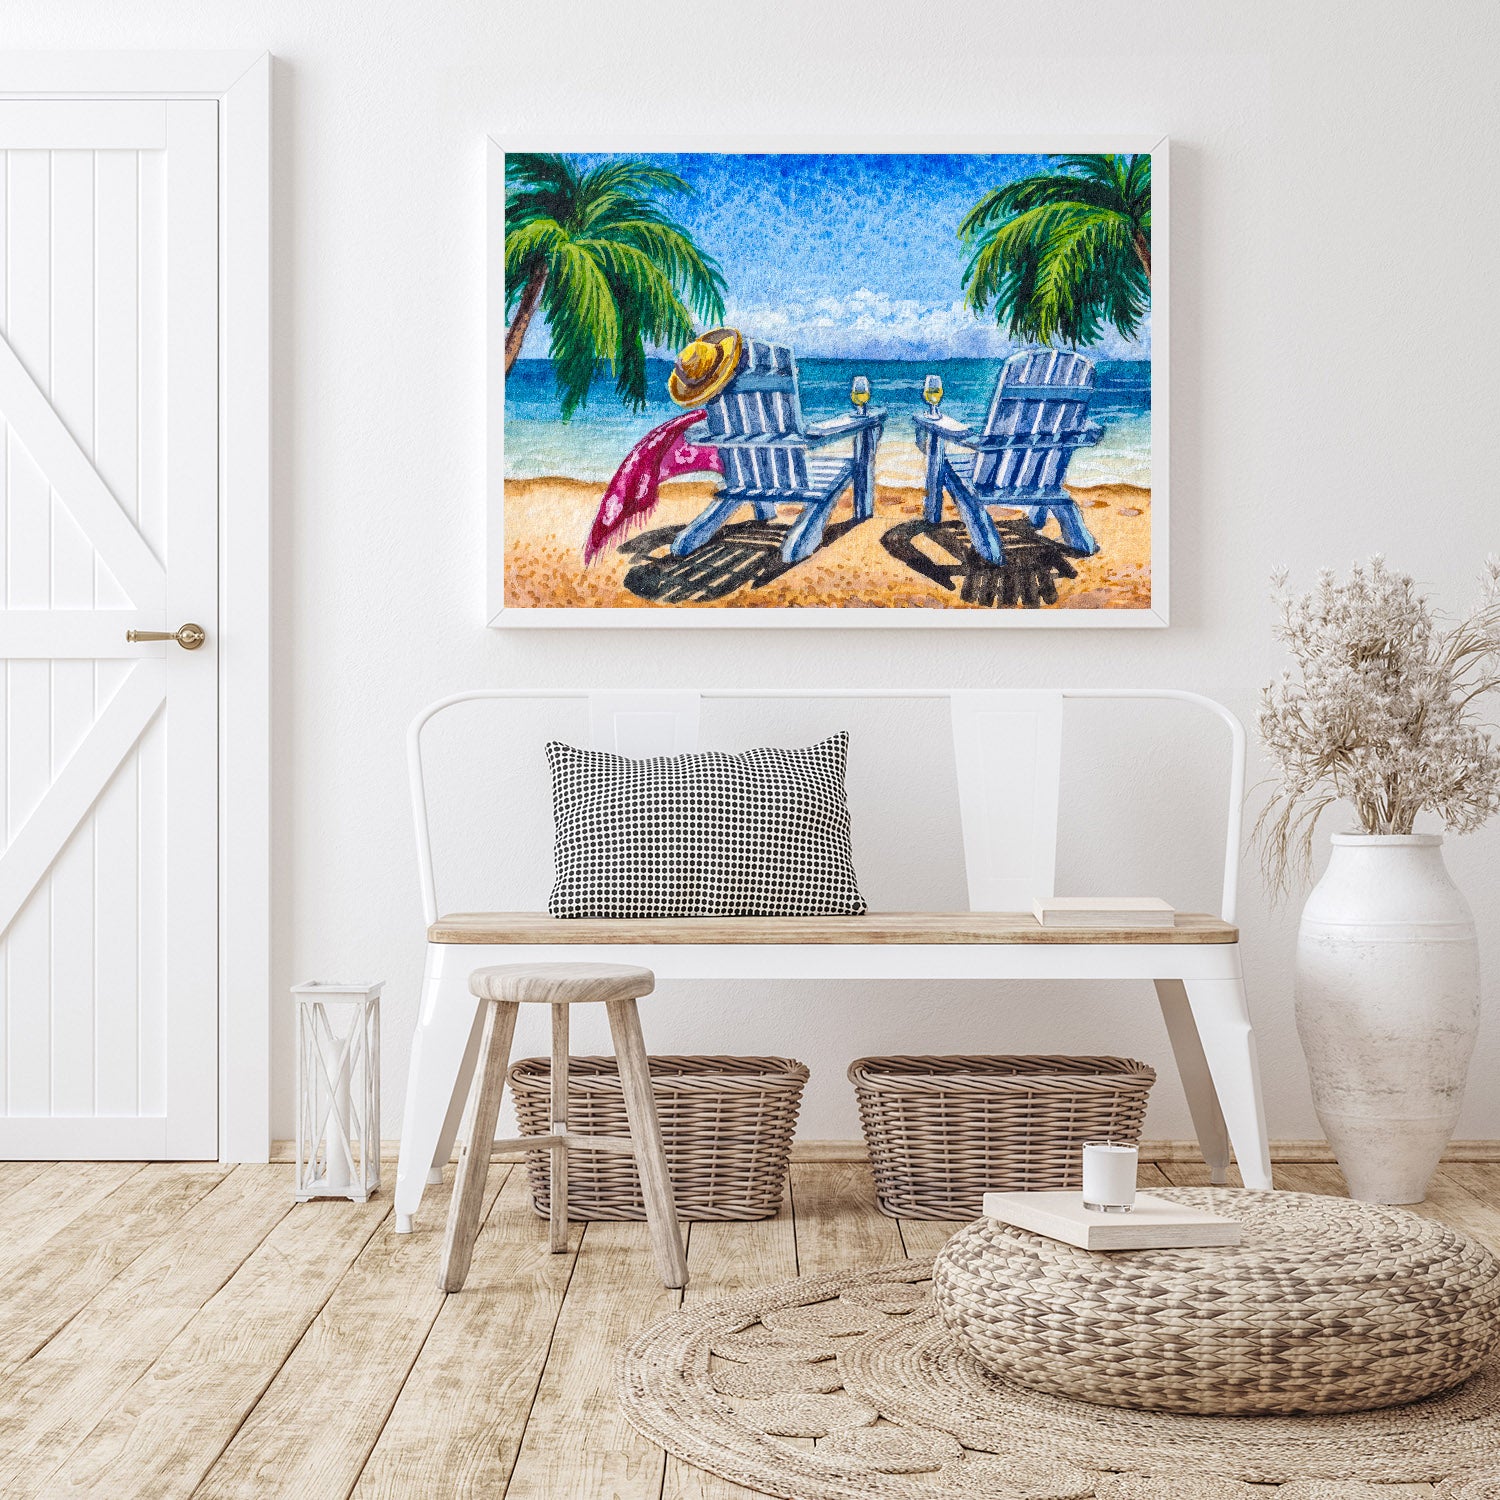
(515, 335)
(1142, 248)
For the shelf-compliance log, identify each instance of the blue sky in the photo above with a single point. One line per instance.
(847, 256)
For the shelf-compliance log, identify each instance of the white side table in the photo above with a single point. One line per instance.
(338, 1089)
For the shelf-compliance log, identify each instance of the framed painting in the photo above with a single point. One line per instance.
(923, 386)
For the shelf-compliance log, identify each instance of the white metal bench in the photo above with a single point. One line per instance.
(1007, 747)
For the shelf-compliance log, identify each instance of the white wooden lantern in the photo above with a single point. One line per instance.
(338, 1090)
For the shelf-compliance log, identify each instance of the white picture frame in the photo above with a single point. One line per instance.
(502, 615)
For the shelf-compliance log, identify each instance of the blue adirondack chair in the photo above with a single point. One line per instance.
(1038, 418)
(766, 449)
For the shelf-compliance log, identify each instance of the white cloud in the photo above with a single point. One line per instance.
(872, 325)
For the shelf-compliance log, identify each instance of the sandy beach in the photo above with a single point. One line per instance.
(894, 560)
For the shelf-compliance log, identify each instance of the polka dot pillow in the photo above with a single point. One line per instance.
(764, 833)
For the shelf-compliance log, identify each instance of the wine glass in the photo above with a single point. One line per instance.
(859, 392)
(932, 392)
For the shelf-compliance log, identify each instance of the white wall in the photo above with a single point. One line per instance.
(1334, 393)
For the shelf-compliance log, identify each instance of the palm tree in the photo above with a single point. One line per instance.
(606, 265)
(1061, 254)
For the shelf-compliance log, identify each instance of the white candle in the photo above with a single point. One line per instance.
(1109, 1177)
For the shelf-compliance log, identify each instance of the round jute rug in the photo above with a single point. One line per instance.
(848, 1387)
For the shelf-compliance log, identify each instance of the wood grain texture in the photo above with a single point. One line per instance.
(561, 983)
(455, 1430)
(47, 1287)
(164, 1433)
(838, 1224)
(1467, 1199)
(53, 1400)
(52, 1199)
(923, 1237)
(349, 1369)
(557, 1186)
(247, 1346)
(1481, 1181)
(577, 1440)
(465, 1212)
(724, 1259)
(876, 927)
(16, 1174)
(1195, 1174)
(650, 1153)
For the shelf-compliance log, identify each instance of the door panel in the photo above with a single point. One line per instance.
(108, 519)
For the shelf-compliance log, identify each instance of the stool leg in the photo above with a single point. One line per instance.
(479, 1138)
(559, 1186)
(645, 1131)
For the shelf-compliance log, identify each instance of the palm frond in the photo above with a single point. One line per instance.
(615, 271)
(576, 359)
(630, 362)
(582, 319)
(1055, 254)
(526, 247)
(637, 179)
(688, 269)
(538, 185)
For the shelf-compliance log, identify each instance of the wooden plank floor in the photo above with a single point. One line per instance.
(187, 1330)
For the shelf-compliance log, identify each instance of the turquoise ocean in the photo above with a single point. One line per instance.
(538, 444)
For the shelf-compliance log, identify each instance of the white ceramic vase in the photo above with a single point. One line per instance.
(1387, 1008)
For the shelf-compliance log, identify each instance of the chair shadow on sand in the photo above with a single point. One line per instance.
(748, 552)
(1028, 576)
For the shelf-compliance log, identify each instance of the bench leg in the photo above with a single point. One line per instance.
(1197, 1084)
(645, 1131)
(1223, 1020)
(479, 1139)
(443, 1049)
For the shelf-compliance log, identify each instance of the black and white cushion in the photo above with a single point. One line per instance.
(764, 833)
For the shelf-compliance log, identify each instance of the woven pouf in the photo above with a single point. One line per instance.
(1325, 1306)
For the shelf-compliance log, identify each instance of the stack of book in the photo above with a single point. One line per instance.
(1101, 912)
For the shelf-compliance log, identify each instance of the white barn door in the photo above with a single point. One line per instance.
(108, 522)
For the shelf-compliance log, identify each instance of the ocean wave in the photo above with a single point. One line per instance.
(592, 446)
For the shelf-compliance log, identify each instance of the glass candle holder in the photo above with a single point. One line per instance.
(1109, 1170)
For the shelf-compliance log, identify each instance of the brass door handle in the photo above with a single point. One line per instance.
(189, 636)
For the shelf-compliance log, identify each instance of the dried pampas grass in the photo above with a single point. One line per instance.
(1378, 710)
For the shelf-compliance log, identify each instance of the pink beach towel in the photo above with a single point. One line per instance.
(632, 494)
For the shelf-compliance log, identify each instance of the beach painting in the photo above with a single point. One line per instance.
(842, 388)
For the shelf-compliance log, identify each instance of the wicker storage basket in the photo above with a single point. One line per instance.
(727, 1124)
(943, 1131)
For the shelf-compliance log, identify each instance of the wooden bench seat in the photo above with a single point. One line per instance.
(940, 927)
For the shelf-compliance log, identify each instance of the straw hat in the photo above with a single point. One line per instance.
(705, 367)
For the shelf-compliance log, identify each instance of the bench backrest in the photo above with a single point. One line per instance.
(1044, 394)
(1007, 751)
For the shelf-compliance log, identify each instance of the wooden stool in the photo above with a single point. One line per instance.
(507, 987)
